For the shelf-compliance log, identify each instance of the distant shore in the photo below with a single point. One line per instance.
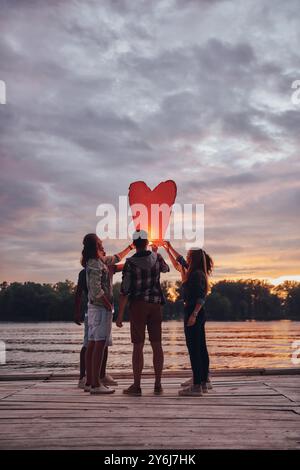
(241, 300)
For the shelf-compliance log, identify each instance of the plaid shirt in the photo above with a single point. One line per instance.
(144, 283)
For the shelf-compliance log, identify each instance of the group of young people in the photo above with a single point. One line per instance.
(141, 290)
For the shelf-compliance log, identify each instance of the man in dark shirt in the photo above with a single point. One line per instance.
(141, 286)
(80, 297)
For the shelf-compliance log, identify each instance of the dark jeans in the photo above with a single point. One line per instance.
(196, 344)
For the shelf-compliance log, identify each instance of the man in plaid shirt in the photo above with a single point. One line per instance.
(141, 286)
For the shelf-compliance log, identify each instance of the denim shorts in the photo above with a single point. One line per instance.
(99, 324)
(86, 331)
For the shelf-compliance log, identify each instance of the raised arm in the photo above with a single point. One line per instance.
(168, 247)
(118, 268)
(125, 252)
(173, 251)
(114, 259)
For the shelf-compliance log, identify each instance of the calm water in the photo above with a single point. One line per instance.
(56, 346)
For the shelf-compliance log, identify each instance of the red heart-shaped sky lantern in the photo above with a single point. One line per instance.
(158, 206)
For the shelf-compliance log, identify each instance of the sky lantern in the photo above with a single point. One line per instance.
(151, 209)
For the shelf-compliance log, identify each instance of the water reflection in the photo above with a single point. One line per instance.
(55, 346)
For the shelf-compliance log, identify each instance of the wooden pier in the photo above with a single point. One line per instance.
(248, 411)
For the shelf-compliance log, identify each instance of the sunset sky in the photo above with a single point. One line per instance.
(100, 94)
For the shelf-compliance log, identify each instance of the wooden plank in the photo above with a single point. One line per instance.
(168, 389)
(134, 422)
(192, 434)
(267, 440)
(128, 412)
(144, 406)
(241, 412)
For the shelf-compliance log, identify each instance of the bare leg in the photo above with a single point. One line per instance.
(104, 362)
(96, 362)
(137, 362)
(88, 361)
(82, 362)
(158, 361)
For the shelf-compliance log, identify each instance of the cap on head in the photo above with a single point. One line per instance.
(140, 239)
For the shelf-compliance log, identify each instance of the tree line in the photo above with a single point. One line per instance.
(227, 301)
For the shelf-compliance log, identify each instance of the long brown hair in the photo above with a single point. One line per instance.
(92, 246)
(200, 261)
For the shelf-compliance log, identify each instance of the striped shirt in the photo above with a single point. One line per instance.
(99, 278)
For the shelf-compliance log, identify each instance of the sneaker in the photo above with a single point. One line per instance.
(204, 387)
(81, 383)
(187, 383)
(101, 390)
(133, 391)
(191, 391)
(158, 390)
(108, 380)
(209, 384)
(87, 388)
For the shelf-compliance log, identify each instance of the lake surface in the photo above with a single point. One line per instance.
(55, 346)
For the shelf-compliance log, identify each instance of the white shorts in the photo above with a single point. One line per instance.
(100, 324)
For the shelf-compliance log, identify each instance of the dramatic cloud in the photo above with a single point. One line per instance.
(100, 94)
